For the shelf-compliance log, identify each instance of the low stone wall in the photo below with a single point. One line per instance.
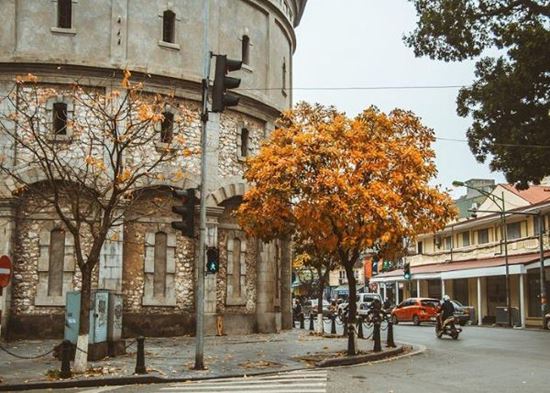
(34, 327)
(157, 325)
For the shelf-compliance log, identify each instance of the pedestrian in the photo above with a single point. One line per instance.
(297, 310)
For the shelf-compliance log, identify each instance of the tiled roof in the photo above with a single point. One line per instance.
(534, 194)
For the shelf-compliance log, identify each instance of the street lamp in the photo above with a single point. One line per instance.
(499, 202)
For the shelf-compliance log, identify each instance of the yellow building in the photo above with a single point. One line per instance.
(470, 258)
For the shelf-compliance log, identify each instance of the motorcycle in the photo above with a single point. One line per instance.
(448, 327)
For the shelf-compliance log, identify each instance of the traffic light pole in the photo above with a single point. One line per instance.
(199, 266)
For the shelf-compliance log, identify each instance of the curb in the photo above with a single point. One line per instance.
(358, 359)
(150, 379)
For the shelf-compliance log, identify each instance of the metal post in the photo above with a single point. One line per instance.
(376, 332)
(542, 278)
(140, 359)
(522, 300)
(311, 326)
(389, 340)
(505, 238)
(333, 324)
(200, 265)
(301, 320)
(65, 360)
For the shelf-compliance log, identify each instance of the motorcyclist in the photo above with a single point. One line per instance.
(333, 309)
(446, 313)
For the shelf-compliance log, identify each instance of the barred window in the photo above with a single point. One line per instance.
(167, 128)
(59, 121)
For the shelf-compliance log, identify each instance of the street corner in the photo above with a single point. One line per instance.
(341, 358)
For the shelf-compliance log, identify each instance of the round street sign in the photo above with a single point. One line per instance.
(5, 270)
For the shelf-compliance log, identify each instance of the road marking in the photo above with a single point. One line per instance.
(291, 382)
(102, 389)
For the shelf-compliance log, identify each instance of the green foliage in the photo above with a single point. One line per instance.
(510, 99)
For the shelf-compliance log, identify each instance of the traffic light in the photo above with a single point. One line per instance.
(212, 260)
(187, 211)
(407, 271)
(220, 97)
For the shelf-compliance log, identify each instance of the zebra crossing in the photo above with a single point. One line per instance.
(314, 381)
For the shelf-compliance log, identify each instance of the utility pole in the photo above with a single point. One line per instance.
(199, 266)
(505, 238)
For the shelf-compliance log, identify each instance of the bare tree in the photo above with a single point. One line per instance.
(94, 150)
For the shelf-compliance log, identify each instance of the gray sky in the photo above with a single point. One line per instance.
(358, 43)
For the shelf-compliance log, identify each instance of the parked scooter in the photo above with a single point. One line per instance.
(448, 327)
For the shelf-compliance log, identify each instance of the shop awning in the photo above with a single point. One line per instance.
(464, 269)
(342, 290)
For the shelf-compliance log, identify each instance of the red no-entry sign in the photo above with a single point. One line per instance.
(5, 271)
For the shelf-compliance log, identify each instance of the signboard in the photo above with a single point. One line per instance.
(5, 271)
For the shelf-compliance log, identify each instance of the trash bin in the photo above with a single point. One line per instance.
(502, 316)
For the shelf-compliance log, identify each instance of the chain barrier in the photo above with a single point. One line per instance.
(129, 345)
(25, 357)
(81, 350)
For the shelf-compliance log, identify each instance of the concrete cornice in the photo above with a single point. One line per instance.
(104, 77)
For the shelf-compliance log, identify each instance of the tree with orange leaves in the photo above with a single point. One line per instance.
(345, 184)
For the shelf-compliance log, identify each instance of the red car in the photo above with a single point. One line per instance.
(416, 309)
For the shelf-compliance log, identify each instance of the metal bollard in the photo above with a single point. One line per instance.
(376, 335)
(360, 328)
(140, 359)
(389, 340)
(65, 360)
(302, 321)
(311, 327)
(333, 325)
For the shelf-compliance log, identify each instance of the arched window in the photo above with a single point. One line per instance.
(246, 50)
(244, 142)
(167, 128)
(64, 13)
(57, 257)
(59, 120)
(159, 277)
(169, 26)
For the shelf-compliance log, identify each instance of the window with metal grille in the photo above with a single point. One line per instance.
(169, 26)
(167, 128)
(64, 13)
(246, 49)
(59, 121)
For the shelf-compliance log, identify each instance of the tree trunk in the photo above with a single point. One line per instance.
(352, 309)
(320, 329)
(81, 355)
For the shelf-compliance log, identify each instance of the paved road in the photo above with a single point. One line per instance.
(482, 360)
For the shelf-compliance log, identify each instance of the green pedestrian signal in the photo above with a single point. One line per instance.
(212, 260)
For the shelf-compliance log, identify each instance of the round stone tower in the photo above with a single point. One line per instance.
(161, 43)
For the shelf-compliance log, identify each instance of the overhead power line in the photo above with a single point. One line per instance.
(496, 144)
(329, 88)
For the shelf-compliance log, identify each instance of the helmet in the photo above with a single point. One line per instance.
(446, 298)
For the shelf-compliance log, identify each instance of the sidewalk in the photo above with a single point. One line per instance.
(173, 358)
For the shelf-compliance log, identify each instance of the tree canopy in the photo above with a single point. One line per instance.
(345, 184)
(510, 99)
